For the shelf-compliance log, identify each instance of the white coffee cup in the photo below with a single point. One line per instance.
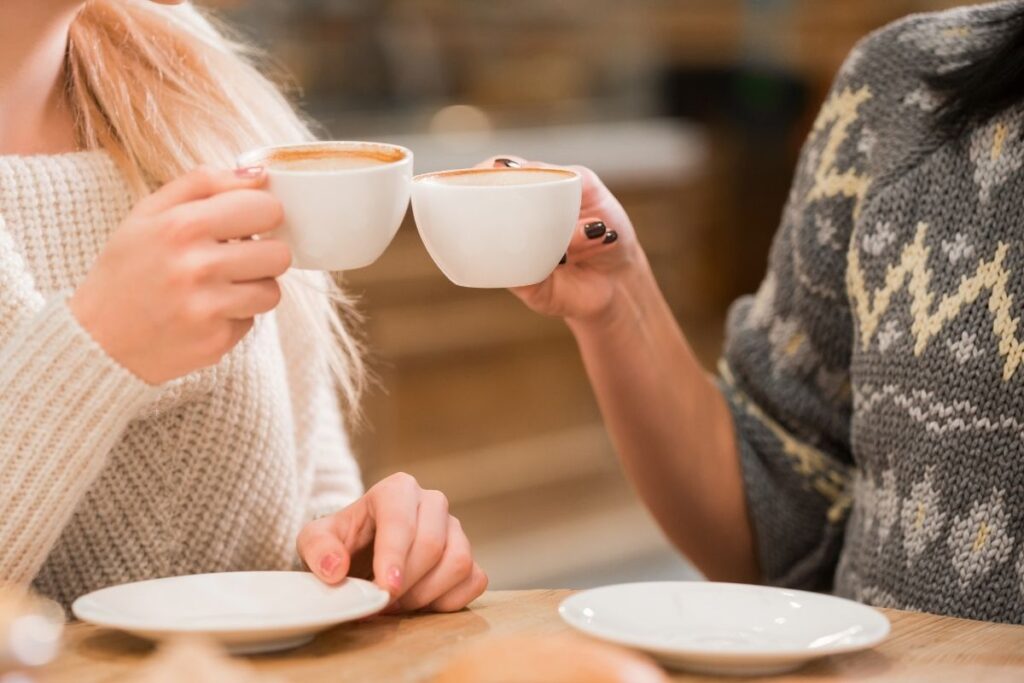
(502, 227)
(343, 201)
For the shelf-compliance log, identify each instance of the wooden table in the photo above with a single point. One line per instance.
(922, 648)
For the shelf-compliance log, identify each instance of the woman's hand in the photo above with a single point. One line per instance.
(402, 537)
(603, 248)
(180, 281)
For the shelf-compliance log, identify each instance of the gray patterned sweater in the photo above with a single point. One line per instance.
(877, 376)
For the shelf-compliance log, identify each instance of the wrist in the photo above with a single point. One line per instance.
(88, 313)
(83, 312)
(634, 292)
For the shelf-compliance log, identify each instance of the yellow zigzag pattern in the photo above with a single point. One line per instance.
(840, 112)
(912, 272)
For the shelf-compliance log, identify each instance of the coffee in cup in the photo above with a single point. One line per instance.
(343, 201)
(497, 228)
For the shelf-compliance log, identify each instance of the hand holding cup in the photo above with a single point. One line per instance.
(181, 280)
(602, 249)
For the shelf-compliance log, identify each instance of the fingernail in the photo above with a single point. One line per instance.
(611, 237)
(394, 578)
(329, 563)
(249, 172)
(595, 229)
(507, 163)
(565, 259)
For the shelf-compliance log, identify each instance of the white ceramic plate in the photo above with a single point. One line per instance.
(247, 612)
(722, 628)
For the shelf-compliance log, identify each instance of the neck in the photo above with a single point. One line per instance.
(34, 116)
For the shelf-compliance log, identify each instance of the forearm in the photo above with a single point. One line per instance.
(670, 425)
(64, 406)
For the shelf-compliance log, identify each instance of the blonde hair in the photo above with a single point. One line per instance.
(163, 91)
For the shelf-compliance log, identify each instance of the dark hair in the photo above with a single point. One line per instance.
(989, 84)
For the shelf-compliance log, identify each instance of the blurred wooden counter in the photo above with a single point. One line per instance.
(921, 649)
(488, 401)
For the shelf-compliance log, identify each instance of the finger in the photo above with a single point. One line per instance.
(431, 536)
(201, 183)
(463, 594)
(589, 231)
(248, 299)
(253, 259)
(323, 551)
(228, 216)
(503, 161)
(594, 190)
(453, 569)
(394, 504)
(591, 237)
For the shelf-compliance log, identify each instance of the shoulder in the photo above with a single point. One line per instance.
(934, 41)
(897, 60)
(882, 97)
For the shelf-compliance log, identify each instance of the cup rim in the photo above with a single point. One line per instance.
(254, 156)
(567, 176)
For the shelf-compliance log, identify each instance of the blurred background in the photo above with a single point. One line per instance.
(693, 111)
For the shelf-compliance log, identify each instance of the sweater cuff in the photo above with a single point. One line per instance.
(798, 517)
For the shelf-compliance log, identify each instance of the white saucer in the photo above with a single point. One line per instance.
(247, 612)
(722, 628)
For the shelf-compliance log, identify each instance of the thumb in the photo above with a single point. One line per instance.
(503, 161)
(323, 551)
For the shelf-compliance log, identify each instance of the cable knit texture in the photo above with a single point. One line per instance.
(875, 378)
(106, 479)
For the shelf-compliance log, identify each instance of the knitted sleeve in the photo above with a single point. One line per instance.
(785, 370)
(337, 481)
(63, 405)
(318, 424)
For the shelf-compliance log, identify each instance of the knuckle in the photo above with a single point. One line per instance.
(195, 268)
(201, 312)
(461, 563)
(438, 498)
(181, 229)
(403, 480)
(433, 546)
(280, 256)
(312, 531)
(482, 580)
(302, 541)
(204, 178)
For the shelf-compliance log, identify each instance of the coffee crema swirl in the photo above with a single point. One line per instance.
(327, 158)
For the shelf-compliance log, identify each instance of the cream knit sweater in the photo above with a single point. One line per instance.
(105, 479)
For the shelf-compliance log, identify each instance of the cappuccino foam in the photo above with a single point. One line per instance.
(325, 163)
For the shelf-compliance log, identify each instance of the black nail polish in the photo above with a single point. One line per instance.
(565, 259)
(507, 163)
(611, 237)
(595, 230)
